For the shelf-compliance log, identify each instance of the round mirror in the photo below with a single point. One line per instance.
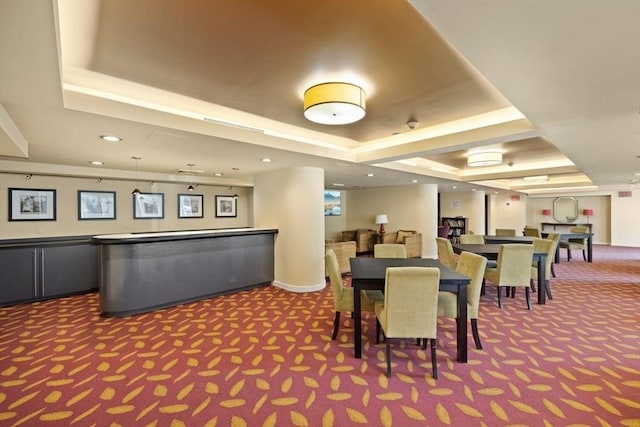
(565, 209)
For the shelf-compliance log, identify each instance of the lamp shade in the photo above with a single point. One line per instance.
(484, 158)
(334, 103)
(382, 219)
(546, 212)
(587, 212)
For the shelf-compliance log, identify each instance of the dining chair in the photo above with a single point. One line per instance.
(410, 308)
(389, 250)
(556, 238)
(445, 252)
(343, 296)
(531, 231)
(473, 266)
(505, 231)
(513, 269)
(548, 246)
(472, 239)
(576, 243)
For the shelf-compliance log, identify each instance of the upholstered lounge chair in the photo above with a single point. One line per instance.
(412, 240)
(389, 250)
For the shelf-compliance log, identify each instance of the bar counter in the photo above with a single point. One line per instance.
(141, 272)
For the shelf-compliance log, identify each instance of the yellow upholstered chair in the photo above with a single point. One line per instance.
(445, 252)
(548, 246)
(410, 307)
(575, 243)
(531, 231)
(505, 232)
(513, 269)
(472, 266)
(556, 238)
(343, 296)
(389, 250)
(472, 239)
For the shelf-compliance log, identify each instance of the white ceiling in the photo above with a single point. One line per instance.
(554, 85)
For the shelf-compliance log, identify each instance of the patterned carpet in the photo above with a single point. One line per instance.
(265, 358)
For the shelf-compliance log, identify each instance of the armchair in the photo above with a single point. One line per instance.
(365, 239)
(411, 239)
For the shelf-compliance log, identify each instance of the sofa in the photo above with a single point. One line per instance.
(410, 238)
(344, 251)
(365, 239)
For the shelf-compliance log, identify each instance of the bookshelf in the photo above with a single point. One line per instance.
(457, 226)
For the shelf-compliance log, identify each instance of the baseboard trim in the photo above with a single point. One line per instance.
(299, 289)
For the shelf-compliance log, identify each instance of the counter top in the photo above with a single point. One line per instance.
(178, 235)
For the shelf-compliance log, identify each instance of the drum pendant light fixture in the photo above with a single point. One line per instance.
(484, 158)
(334, 103)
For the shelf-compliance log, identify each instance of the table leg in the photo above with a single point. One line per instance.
(589, 249)
(357, 321)
(461, 325)
(542, 282)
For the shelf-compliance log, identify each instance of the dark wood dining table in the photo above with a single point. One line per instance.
(491, 250)
(566, 236)
(370, 273)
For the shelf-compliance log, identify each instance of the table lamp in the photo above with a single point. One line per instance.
(587, 213)
(382, 219)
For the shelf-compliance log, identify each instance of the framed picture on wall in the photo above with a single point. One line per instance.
(190, 206)
(26, 204)
(96, 205)
(226, 206)
(148, 205)
(332, 203)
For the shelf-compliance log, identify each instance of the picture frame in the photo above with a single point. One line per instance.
(332, 203)
(226, 206)
(27, 204)
(190, 206)
(96, 205)
(148, 206)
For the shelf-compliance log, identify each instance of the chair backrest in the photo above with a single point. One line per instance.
(333, 268)
(445, 252)
(514, 264)
(389, 250)
(578, 229)
(472, 265)
(411, 302)
(531, 231)
(472, 239)
(554, 236)
(443, 230)
(505, 231)
(547, 246)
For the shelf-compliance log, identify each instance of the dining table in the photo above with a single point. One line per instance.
(370, 273)
(566, 236)
(491, 250)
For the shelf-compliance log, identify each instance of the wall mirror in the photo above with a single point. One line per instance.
(565, 209)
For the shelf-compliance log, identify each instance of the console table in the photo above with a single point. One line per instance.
(563, 224)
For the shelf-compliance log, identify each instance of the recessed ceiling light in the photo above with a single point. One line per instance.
(370, 174)
(110, 138)
(96, 162)
(218, 174)
(266, 160)
(414, 181)
(636, 174)
(473, 189)
(454, 187)
(335, 184)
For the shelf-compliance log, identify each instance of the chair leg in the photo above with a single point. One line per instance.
(568, 254)
(532, 285)
(377, 331)
(388, 359)
(499, 298)
(548, 289)
(553, 272)
(528, 296)
(584, 255)
(476, 335)
(336, 325)
(434, 361)
(482, 290)
(513, 292)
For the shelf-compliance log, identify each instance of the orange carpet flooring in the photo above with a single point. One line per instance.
(265, 357)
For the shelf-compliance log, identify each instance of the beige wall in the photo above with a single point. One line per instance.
(469, 204)
(67, 223)
(625, 223)
(506, 213)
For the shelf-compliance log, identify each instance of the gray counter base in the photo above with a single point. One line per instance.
(142, 276)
